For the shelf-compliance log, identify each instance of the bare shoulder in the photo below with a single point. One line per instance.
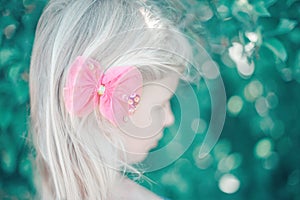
(128, 189)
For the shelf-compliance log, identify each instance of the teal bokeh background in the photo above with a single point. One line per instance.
(256, 45)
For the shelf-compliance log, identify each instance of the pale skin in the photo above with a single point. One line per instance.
(154, 113)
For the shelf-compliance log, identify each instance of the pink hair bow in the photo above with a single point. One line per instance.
(116, 92)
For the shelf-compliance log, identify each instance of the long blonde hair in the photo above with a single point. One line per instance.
(75, 158)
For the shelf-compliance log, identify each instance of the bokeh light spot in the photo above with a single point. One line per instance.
(199, 125)
(173, 177)
(249, 48)
(263, 148)
(252, 36)
(223, 11)
(272, 100)
(278, 129)
(253, 90)
(229, 184)
(230, 162)
(222, 149)
(10, 30)
(245, 67)
(261, 106)
(271, 161)
(210, 70)
(294, 178)
(266, 124)
(203, 162)
(204, 12)
(287, 74)
(235, 105)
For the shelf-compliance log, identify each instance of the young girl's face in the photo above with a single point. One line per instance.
(153, 114)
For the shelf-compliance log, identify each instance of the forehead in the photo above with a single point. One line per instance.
(162, 89)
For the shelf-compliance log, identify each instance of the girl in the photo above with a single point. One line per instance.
(101, 77)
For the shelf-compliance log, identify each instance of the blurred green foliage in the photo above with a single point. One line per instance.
(256, 45)
(18, 20)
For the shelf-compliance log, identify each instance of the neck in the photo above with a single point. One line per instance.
(128, 189)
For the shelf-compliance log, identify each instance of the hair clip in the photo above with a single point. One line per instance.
(89, 87)
(133, 101)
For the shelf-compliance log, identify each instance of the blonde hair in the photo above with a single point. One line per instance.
(76, 157)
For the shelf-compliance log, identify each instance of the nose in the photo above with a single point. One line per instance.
(169, 116)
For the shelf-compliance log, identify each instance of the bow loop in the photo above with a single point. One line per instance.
(88, 87)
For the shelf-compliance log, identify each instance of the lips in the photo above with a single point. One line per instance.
(158, 138)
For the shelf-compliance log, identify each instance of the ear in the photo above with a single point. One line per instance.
(126, 83)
